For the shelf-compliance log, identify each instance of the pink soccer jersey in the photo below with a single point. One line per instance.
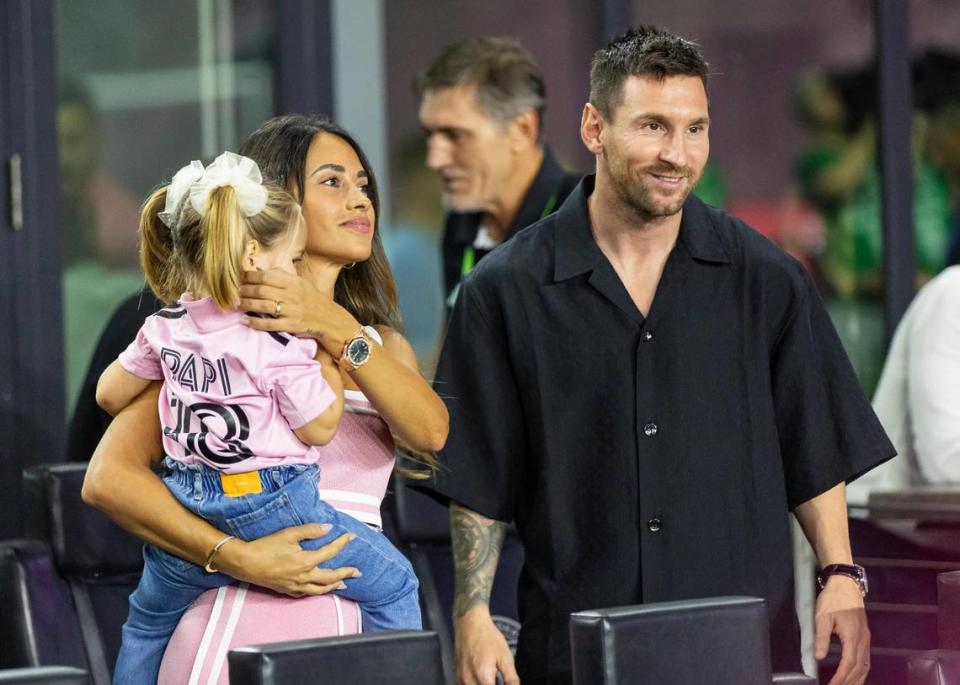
(231, 396)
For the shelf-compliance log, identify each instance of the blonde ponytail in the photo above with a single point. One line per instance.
(156, 250)
(204, 253)
(224, 230)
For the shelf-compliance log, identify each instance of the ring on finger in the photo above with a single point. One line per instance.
(276, 309)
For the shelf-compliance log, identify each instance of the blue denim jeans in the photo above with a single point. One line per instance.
(386, 592)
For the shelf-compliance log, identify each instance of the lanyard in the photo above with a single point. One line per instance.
(470, 254)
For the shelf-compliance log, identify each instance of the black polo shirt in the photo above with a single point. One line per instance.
(549, 189)
(647, 459)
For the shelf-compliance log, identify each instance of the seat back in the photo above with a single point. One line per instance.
(934, 667)
(398, 657)
(941, 666)
(38, 626)
(903, 560)
(97, 561)
(723, 641)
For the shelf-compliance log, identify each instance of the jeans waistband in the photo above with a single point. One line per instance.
(206, 479)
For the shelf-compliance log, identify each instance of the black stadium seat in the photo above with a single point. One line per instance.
(397, 658)
(65, 591)
(941, 666)
(721, 641)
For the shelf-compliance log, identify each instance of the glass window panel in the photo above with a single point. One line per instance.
(144, 88)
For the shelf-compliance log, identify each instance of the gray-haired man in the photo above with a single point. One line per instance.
(482, 104)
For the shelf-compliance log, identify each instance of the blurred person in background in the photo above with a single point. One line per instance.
(481, 106)
(838, 173)
(937, 93)
(917, 396)
(411, 243)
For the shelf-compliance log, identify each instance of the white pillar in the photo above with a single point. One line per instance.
(359, 83)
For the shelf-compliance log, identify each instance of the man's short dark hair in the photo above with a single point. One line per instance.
(643, 51)
(507, 77)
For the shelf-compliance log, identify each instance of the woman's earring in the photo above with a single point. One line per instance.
(350, 265)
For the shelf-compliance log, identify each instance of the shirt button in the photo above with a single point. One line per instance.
(647, 336)
(650, 429)
(653, 525)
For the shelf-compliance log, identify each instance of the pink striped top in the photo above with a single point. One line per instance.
(355, 466)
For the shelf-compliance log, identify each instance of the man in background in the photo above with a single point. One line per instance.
(482, 104)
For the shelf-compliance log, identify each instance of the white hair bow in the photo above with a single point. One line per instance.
(231, 169)
(196, 183)
(177, 191)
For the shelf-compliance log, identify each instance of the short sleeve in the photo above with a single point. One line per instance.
(827, 429)
(483, 461)
(302, 392)
(140, 358)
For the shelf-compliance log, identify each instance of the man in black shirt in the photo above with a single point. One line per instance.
(647, 386)
(482, 104)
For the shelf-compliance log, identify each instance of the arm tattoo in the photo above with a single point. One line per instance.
(476, 551)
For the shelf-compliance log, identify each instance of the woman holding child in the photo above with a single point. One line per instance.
(344, 300)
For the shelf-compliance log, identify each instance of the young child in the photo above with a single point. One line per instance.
(237, 405)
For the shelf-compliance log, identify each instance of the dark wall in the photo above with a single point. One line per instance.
(31, 344)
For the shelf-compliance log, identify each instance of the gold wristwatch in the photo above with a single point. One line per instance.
(356, 351)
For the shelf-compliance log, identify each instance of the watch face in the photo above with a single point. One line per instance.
(358, 351)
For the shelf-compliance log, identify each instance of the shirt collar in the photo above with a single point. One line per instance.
(543, 191)
(207, 315)
(700, 235)
(577, 251)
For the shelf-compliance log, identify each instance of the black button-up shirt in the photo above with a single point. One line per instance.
(647, 459)
(549, 189)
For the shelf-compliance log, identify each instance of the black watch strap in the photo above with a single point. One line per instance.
(853, 571)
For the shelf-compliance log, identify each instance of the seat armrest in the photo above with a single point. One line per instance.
(38, 623)
(793, 679)
(44, 675)
(936, 667)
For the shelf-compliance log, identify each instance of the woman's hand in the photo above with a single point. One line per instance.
(303, 310)
(120, 481)
(390, 379)
(278, 562)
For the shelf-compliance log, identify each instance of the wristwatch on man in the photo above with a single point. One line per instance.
(356, 351)
(855, 572)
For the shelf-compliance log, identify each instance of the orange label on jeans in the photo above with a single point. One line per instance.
(240, 484)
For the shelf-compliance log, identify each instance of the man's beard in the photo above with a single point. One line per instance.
(634, 192)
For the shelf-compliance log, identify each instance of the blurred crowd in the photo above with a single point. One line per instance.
(837, 175)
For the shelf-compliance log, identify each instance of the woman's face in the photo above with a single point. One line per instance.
(338, 213)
